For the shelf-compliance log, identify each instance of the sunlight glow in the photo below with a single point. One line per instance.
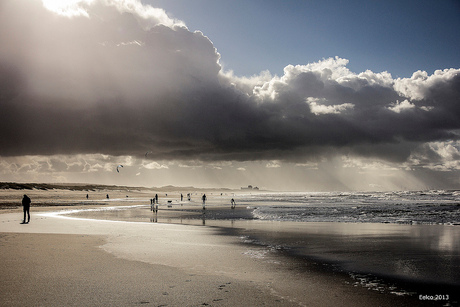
(68, 8)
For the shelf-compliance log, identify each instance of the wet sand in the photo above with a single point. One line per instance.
(56, 260)
(70, 270)
(409, 260)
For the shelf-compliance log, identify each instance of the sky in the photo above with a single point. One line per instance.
(257, 35)
(283, 95)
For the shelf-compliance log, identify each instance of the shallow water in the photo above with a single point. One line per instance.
(386, 257)
(406, 243)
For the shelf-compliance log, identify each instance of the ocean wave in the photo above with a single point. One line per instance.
(402, 207)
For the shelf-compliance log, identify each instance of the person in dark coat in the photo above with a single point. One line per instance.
(26, 207)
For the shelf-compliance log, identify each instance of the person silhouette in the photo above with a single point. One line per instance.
(204, 201)
(26, 207)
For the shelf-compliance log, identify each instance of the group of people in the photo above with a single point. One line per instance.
(204, 198)
(26, 204)
(154, 200)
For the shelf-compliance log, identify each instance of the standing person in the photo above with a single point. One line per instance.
(233, 203)
(26, 207)
(156, 198)
(181, 197)
(204, 200)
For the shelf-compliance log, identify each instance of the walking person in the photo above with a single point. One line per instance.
(26, 207)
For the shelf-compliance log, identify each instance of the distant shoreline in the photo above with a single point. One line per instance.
(95, 187)
(54, 195)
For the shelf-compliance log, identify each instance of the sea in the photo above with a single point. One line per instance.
(402, 207)
(402, 242)
(398, 242)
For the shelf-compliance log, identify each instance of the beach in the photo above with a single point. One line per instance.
(63, 259)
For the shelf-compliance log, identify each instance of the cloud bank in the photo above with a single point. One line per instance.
(120, 78)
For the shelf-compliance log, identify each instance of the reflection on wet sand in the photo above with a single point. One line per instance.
(369, 252)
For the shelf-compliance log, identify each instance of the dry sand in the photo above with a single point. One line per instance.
(60, 261)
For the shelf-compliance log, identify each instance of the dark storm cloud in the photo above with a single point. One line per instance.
(121, 81)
